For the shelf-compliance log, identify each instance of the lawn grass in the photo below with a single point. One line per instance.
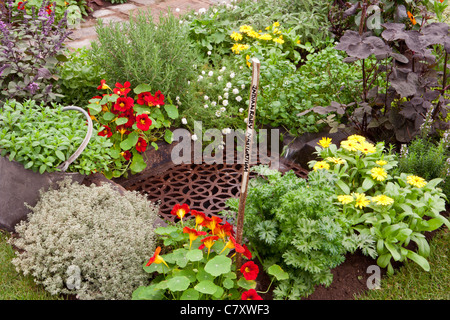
(411, 282)
(14, 285)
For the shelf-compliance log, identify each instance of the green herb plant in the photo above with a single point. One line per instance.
(42, 137)
(294, 223)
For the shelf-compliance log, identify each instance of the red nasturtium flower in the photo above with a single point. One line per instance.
(47, 8)
(180, 210)
(21, 5)
(250, 295)
(143, 122)
(122, 90)
(126, 154)
(103, 85)
(141, 145)
(124, 103)
(123, 130)
(250, 270)
(193, 234)
(153, 101)
(212, 223)
(106, 132)
(156, 258)
(199, 217)
(141, 98)
(247, 252)
(232, 244)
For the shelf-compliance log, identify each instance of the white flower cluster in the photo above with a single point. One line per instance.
(88, 241)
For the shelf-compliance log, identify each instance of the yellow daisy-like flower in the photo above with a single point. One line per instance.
(378, 173)
(324, 142)
(265, 36)
(278, 40)
(381, 162)
(360, 200)
(382, 200)
(350, 145)
(236, 36)
(247, 58)
(357, 138)
(335, 160)
(276, 24)
(238, 47)
(416, 181)
(321, 165)
(366, 147)
(245, 28)
(345, 199)
(253, 34)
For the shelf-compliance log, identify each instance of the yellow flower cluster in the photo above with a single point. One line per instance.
(358, 143)
(416, 181)
(274, 35)
(362, 201)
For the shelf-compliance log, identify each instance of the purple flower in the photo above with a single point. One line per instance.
(32, 87)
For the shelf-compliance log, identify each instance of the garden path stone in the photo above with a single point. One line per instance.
(85, 33)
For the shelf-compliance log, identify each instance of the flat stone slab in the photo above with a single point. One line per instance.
(102, 13)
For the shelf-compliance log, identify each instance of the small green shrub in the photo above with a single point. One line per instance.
(88, 241)
(142, 51)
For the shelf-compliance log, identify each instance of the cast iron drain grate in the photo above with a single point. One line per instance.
(204, 187)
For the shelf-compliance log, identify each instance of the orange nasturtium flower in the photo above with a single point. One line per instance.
(208, 242)
(412, 18)
(103, 85)
(180, 210)
(212, 223)
(199, 217)
(156, 258)
(193, 234)
(232, 244)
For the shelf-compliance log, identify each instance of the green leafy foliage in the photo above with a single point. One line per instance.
(42, 137)
(295, 224)
(393, 209)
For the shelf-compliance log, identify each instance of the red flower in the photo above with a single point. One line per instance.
(103, 85)
(250, 270)
(122, 129)
(21, 5)
(141, 145)
(126, 155)
(152, 101)
(130, 116)
(250, 295)
(180, 210)
(212, 223)
(122, 90)
(232, 244)
(47, 8)
(247, 252)
(208, 242)
(199, 217)
(143, 122)
(141, 98)
(124, 103)
(156, 258)
(105, 132)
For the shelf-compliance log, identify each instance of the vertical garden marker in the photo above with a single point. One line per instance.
(247, 153)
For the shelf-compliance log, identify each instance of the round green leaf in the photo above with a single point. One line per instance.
(246, 284)
(179, 283)
(206, 287)
(190, 294)
(194, 255)
(218, 265)
(276, 271)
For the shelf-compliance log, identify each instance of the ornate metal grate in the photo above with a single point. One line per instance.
(204, 187)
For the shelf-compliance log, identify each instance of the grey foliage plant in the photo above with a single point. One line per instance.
(87, 241)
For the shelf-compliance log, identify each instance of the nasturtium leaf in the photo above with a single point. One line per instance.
(191, 275)
(142, 88)
(108, 116)
(168, 136)
(218, 265)
(179, 283)
(228, 283)
(121, 120)
(165, 230)
(203, 275)
(219, 292)
(276, 271)
(147, 293)
(130, 141)
(190, 294)
(194, 255)
(171, 110)
(246, 284)
(206, 287)
(137, 164)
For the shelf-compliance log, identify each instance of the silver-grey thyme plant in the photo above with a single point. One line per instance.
(88, 241)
